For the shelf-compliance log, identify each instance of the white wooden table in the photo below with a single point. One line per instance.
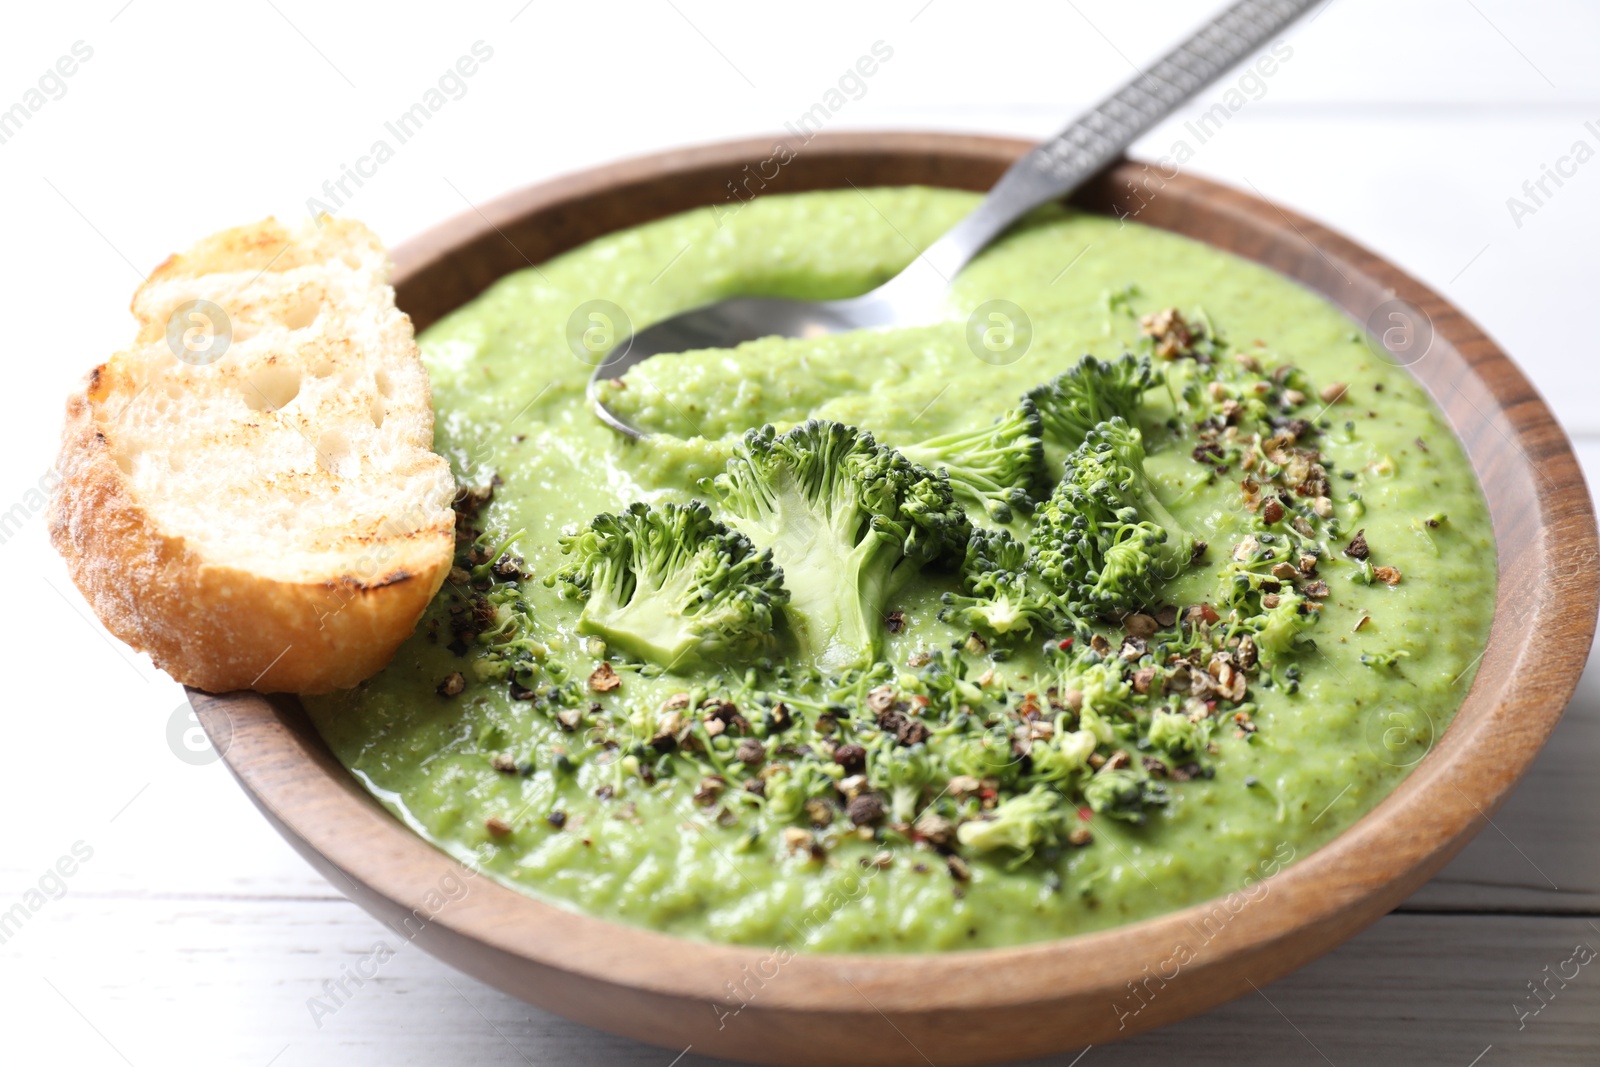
(191, 934)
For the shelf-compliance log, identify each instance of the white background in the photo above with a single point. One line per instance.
(193, 934)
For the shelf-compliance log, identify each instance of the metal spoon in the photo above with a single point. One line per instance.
(1049, 172)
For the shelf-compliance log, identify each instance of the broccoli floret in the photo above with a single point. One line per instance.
(1000, 593)
(1249, 570)
(903, 773)
(1250, 579)
(1178, 735)
(1107, 694)
(848, 519)
(1278, 629)
(989, 754)
(943, 680)
(1094, 391)
(672, 585)
(1000, 467)
(1038, 817)
(1123, 794)
(1103, 540)
(512, 652)
(1063, 757)
(789, 788)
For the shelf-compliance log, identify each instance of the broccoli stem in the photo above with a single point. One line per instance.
(838, 589)
(646, 625)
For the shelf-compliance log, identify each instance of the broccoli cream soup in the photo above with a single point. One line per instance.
(1132, 581)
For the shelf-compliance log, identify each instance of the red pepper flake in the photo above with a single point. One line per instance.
(1064, 645)
(1085, 814)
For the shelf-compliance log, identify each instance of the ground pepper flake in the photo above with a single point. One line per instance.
(1139, 624)
(866, 809)
(797, 840)
(819, 812)
(853, 758)
(604, 679)
(1172, 334)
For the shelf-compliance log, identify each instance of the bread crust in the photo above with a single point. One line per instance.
(219, 627)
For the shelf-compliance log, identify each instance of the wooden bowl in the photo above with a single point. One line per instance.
(968, 1007)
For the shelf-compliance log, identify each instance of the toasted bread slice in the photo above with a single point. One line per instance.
(265, 512)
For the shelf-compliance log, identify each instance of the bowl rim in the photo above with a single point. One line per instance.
(1546, 604)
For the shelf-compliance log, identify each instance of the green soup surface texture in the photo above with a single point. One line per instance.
(1017, 788)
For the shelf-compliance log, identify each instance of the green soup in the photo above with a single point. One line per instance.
(562, 785)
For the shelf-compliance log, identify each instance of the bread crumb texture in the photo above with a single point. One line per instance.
(248, 492)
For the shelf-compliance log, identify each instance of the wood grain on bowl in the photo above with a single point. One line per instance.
(772, 1006)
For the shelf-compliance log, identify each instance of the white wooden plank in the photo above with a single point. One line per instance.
(230, 981)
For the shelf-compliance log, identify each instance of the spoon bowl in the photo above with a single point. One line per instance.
(732, 322)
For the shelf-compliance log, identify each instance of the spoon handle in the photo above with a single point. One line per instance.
(1064, 162)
